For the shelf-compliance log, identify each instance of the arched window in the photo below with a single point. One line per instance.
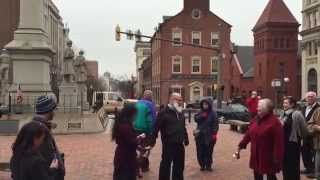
(312, 80)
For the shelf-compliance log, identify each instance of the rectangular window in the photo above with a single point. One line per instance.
(214, 39)
(214, 65)
(177, 64)
(315, 18)
(177, 38)
(315, 47)
(309, 16)
(196, 65)
(196, 38)
(309, 47)
(276, 43)
(260, 69)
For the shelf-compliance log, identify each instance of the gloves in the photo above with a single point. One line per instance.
(214, 137)
(186, 143)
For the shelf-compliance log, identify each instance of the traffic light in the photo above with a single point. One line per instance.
(118, 33)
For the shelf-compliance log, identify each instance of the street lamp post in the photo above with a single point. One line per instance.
(286, 80)
(276, 84)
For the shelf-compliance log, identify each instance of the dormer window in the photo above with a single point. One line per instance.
(196, 14)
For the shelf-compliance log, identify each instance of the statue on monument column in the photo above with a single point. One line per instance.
(4, 72)
(80, 68)
(68, 63)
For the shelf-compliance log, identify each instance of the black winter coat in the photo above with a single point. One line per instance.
(49, 151)
(172, 126)
(30, 166)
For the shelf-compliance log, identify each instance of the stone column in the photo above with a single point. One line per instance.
(30, 52)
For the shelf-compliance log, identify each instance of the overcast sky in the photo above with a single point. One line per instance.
(92, 24)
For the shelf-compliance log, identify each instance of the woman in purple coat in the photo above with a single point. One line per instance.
(123, 133)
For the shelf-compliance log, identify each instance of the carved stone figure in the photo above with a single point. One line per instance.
(68, 63)
(80, 68)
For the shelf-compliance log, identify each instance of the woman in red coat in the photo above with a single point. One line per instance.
(267, 142)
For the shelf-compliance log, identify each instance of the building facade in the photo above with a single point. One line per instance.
(310, 46)
(143, 52)
(189, 70)
(275, 55)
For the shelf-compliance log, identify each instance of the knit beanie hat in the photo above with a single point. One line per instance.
(45, 104)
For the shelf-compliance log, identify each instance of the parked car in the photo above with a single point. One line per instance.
(234, 112)
(196, 104)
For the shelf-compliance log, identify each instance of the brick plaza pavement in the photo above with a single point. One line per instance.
(89, 157)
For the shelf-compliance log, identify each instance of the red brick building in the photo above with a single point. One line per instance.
(188, 70)
(93, 69)
(274, 55)
(9, 18)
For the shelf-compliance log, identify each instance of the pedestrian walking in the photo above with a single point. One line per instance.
(308, 152)
(123, 133)
(206, 134)
(27, 162)
(171, 123)
(252, 103)
(45, 107)
(267, 142)
(144, 123)
(295, 129)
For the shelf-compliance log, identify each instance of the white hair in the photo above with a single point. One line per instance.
(176, 94)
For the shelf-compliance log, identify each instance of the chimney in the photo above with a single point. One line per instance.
(203, 5)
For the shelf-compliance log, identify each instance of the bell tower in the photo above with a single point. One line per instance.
(276, 49)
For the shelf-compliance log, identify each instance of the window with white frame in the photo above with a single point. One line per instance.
(196, 64)
(177, 37)
(196, 38)
(214, 65)
(177, 64)
(214, 39)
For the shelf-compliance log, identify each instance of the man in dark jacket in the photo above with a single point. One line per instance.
(171, 123)
(45, 107)
(206, 134)
(308, 152)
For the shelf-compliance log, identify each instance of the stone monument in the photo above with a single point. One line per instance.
(30, 52)
(81, 79)
(68, 96)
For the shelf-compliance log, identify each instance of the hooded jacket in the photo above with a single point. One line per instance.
(49, 149)
(207, 123)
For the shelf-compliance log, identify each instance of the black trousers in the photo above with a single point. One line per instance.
(124, 174)
(204, 153)
(258, 176)
(308, 154)
(291, 162)
(172, 153)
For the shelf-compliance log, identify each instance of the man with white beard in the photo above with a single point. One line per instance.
(171, 123)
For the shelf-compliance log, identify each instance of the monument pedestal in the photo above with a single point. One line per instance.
(68, 95)
(30, 54)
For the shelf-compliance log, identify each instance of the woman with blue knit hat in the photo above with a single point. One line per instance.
(45, 107)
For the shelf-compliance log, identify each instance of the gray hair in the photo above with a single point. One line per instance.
(267, 105)
(147, 93)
